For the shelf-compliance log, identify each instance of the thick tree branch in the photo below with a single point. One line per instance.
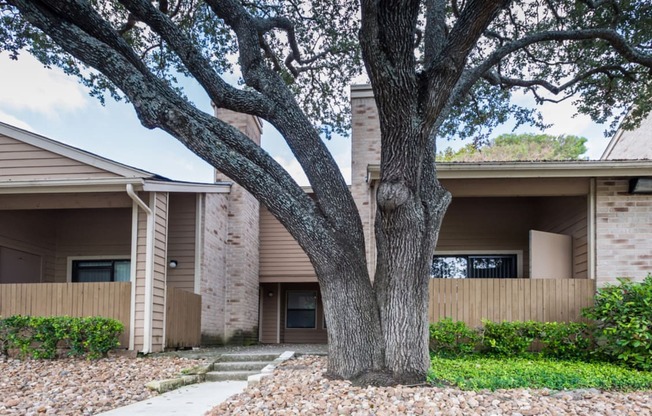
(330, 189)
(222, 94)
(158, 105)
(436, 29)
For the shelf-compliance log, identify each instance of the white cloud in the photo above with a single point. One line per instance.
(26, 85)
(16, 122)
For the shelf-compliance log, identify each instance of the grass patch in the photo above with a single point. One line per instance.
(473, 372)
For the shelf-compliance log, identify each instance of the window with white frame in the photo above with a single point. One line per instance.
(301, 309)
(100, 270)
(474, 266)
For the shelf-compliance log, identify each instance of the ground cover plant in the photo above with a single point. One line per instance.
(477, 372)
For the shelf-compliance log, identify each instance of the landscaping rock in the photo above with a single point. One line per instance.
(78, 386)
(299, 387)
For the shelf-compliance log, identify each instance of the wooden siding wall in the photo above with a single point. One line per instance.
(21, 161)
(91, 232)
(182, 319)
(481, 225)
(160, 208)
(543, 300)
(568, 216)
(141, 262)
(281, 257)
(181, 241)
(32, 232)
(110, 300)
(269, 312)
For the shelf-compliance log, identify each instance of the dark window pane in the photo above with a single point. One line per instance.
(474, 266)
(87, 271)
(301, 319)
(301, 309)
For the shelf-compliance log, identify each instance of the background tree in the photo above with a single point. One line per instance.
(526, 146)
(437, 68)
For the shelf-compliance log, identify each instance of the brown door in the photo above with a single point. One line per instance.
(551, 255)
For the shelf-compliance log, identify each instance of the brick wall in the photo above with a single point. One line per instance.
(365, 150)
(214, 229)
(623, 231)
(242, 249)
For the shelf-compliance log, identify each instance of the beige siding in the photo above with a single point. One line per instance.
(160, 208)
(91, 232)
(141, 261)
(21, 161)
(65, 201)
(269, 313)
(181, 241)
(487, 225)
(494, 187)
(33, 232)
(568, 216)
(281, 258)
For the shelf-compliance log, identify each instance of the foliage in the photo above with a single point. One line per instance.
(508, 338)
(623, 319)
(448, 338)
(477, 372)
(566, 341)
(559, 340)
(526, 147)
(42, 337)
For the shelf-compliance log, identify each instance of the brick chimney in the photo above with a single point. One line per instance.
(241, 287)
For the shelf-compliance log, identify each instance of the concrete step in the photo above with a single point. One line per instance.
(229, 375)
(247, 357)
(240, 365)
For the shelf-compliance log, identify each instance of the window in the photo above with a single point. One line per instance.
(301, 309)
(474, 266)
(101, 270)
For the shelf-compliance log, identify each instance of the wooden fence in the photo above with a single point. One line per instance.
(110, 300)
(543, 300)
(182, 319)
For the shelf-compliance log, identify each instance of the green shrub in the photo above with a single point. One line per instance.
(42, 337)
(623, 322)
(508, 338)
(450, 338)
(566, 341)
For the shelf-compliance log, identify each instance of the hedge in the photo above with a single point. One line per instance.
(45, 337)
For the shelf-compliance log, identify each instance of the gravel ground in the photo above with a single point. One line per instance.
(298, 387)
(80, 387)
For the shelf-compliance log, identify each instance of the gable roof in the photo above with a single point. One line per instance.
(28, 156)
(73, 153)
(631, 144)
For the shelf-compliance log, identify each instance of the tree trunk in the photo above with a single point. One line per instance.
(406, 236)
(354, 331)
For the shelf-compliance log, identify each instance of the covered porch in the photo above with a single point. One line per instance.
(122, 249)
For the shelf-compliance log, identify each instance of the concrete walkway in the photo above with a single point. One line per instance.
(192, 400)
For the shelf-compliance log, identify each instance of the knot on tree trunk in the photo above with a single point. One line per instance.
(392, 195)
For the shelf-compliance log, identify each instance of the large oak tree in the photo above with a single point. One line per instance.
(437, 68)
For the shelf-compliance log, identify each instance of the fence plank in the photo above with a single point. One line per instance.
(69, 299)
(471, 300)
(182, 318)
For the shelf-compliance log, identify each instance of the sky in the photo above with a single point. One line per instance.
(50, 103)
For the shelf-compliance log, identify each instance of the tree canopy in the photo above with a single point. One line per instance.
(437, 68)
(526, 146)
